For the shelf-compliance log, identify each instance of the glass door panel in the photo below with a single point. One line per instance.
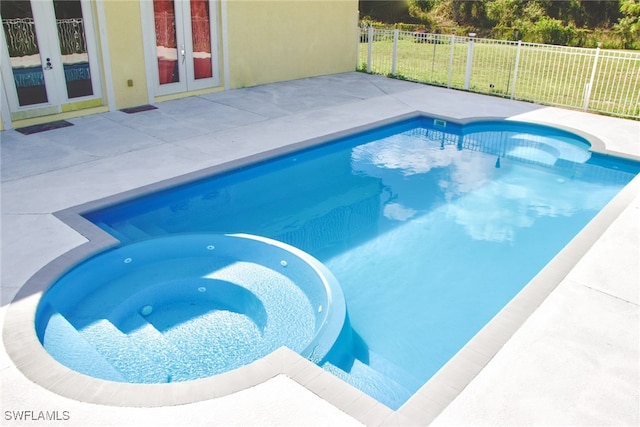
(166, 42)
(24, 53)
(73, 48)
(201, 39)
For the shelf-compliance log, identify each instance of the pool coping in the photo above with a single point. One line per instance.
(32, 360)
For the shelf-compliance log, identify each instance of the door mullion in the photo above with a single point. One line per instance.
(47, 35)
(181, 42)
(187, 38)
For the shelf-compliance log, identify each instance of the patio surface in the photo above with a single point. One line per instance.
(574, 361)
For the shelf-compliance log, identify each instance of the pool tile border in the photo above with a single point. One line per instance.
(424, 406)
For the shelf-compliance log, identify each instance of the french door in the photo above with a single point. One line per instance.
(183, 54)
(48, 55)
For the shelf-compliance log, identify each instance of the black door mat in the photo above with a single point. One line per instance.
(138, 109)
(28, 130)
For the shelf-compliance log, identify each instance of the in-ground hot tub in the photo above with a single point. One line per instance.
(189, 306)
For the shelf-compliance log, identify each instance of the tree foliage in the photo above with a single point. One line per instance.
(629, 25)
(574, 22)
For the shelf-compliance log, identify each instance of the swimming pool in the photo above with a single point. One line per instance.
(400, 215)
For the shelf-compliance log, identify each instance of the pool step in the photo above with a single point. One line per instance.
(372, 382)
(392, 370)
(114, 232)
(123, 353)
(218, 340)
(125, 232)
(63, 341)
(179, 366)
(152, 229)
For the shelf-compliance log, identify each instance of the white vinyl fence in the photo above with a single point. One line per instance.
(595, 80)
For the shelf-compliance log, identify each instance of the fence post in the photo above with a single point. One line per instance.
(451, 52)
(369, 47)
(394, 57)
(358, 49)
(515, 70)
(467, 75)
(589, 86)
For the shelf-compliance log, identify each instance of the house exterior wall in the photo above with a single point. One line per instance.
(277, 40)
(126, 52)
(262, 41)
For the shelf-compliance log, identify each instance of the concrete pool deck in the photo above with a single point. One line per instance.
(574, 361)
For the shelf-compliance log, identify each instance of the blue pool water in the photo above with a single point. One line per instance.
(429, 227)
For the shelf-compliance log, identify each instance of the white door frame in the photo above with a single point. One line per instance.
(49, 47)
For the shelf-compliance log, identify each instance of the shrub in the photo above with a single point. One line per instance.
(551, 31)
